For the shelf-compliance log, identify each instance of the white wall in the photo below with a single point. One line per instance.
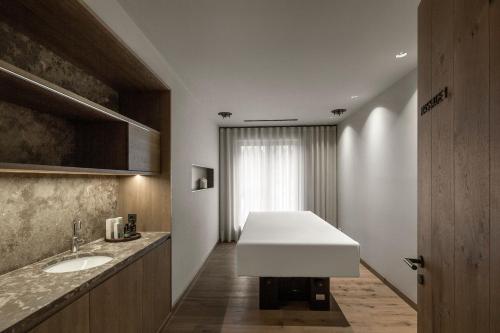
(377, 181)
(194, 141)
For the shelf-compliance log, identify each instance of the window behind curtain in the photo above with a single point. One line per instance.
(275, 168)
(268, 177)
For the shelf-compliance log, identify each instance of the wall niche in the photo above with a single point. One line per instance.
(202, 178)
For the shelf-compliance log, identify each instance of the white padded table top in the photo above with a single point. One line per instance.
(295, 244)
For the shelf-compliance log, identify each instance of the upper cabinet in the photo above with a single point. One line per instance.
(74, 98)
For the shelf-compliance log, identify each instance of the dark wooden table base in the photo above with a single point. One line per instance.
(274, 292)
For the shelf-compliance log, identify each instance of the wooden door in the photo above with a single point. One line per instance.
(458, 166)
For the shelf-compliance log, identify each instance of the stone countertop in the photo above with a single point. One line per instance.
(29, 295)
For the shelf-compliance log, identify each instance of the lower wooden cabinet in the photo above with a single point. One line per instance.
(137, 299)
(156, 298)
(73, 318)
(116, 304)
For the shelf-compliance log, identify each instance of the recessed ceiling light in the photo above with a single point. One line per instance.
(354, 96)
(401, 55)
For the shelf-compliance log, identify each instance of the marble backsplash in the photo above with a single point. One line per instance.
(27, 136)
(37, 213)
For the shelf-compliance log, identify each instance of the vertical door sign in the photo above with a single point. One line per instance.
(435, 101)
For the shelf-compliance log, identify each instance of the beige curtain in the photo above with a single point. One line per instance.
(276, 168)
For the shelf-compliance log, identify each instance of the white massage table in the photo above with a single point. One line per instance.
(279, 245)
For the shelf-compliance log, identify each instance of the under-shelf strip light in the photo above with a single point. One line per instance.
(70, 97)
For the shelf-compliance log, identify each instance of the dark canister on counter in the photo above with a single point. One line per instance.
(132, 227)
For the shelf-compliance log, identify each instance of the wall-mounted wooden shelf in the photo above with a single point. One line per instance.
(56, 169)
(107, 140)
(20, 87)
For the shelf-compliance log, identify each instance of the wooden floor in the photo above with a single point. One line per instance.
(220, 301)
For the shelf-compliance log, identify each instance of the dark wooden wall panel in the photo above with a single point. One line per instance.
(150, 197)
(495, 165)
(162, 207)
(143, 106)
(442, 170)
(472, 163)
(424, 164)
(102, 145)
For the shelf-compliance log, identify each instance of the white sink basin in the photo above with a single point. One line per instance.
(78, 262)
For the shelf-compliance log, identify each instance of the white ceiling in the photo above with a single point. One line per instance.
(262, 59)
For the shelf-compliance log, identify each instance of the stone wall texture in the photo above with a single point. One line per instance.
(34, 137)
(37, 214)
(37, 211)
(20, 51)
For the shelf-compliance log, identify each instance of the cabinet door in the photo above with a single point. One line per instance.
(156, 287)
(73, 318)
(116, 304)
(143, 149)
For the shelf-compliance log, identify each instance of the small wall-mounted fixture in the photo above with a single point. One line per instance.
(338, 112)
(401, 55)
(225, 114)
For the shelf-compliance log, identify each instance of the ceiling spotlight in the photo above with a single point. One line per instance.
(401, 55)
(338, 112)
(354, 96)
(225, 114)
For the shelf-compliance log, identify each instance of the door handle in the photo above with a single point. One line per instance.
(414, 262)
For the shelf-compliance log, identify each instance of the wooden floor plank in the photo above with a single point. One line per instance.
(220, 301)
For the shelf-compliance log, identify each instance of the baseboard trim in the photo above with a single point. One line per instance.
(390, 285)
(177, 304)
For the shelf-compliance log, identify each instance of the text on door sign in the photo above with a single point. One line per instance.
(435, 101)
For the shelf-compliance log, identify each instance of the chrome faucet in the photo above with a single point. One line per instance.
(76, 240)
